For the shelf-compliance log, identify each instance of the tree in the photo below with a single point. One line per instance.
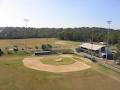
(118, 46)
(77, 34)
(117, 54)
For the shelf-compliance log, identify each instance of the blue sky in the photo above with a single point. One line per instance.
(60, 13)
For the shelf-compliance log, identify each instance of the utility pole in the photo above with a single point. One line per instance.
(91, 43)
(107, 46)
(26, 22)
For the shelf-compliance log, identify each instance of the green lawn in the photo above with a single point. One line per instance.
(14, 76)
(53, 60)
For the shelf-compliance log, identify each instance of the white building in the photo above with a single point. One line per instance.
(97, 49)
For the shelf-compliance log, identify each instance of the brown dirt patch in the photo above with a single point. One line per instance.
(60, 43)
(35, 63)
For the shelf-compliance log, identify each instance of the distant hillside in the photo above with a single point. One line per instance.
(79, 34)
(21, 32)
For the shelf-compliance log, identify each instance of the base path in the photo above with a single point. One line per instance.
(35, 63)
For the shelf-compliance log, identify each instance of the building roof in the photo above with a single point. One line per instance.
(92, 46)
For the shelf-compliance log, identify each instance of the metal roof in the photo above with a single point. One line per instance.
(92, 46)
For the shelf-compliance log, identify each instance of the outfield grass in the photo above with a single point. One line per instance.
(14, 76)
(52, 60)
(31, 43)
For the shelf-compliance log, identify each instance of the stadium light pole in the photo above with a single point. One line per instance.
(92, 43)
(108, 32)
(26, 23)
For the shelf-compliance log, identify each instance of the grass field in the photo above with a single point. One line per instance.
(14, 76)
(57, 60)
(31, 43)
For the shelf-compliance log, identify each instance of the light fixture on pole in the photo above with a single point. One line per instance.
(26, 21)
(108, 32)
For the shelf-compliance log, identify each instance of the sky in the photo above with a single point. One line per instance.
(60, 13)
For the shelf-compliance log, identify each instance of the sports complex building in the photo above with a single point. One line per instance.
(98, 50)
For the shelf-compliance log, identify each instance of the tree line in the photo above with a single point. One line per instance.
(82, 34)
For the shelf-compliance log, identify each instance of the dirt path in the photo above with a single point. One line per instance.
(60, 43)
(35, 63)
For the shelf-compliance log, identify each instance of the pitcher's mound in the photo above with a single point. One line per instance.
(35, 63)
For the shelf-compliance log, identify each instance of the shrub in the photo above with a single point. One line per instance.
(36, 47)
(15, 48)
(117, 56)
(1, 52)
(9, 52)
(46, 47)
(22, 53)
